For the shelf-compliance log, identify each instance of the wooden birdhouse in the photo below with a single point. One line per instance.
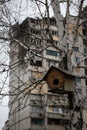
(59, 80)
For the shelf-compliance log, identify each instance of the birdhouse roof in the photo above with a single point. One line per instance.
(65, 72)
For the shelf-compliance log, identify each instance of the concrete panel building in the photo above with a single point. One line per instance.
(34, 48)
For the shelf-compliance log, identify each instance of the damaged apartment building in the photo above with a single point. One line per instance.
(41, 88)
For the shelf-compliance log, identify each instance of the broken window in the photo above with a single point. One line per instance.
(37, 121)
(76, 49)
(52, 22)
(51, 62)
(36, 63)
(36, 97)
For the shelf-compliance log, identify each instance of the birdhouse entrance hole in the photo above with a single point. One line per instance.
(56, 81)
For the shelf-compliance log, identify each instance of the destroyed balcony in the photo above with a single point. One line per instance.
(36, 103)
(58, 100)
(36, 97)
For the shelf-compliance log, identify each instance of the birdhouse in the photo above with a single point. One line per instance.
(59, 80)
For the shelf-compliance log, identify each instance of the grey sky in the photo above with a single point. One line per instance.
(3, 112)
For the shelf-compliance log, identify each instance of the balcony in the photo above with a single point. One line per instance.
(37, 123)
(37, 127)
(55, 127)
(58, 116)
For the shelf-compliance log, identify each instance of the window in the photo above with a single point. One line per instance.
(85, 42)
(51, 62)
(60, 110)
(85, 50)
(78, 90)
(38, 109)
(84, 32)
(78, 80)
(52, 22)
(55, 109)
(67, 46)
(85, 61)
(36, 63)
(36, 97)
(51, 52)
(86, 81)
(85, 71)
(37, 121)
(76, 49)
(65, 122)
(77, 59)
(52, 121)
(54, 32)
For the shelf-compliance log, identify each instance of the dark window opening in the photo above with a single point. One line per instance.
(85, 61)
(85, 42)
(52, 121)
(77, 59)
(37, 121)
(85, 71)
(78, 80)
(56, 81)
(84, 32)
(51, 52)
(85, 50)
(71, 100)
(54, 32)
(36, 63)
(86, 81)
(52, 22)
(76, 49)
(78, 90)
(63, 63)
